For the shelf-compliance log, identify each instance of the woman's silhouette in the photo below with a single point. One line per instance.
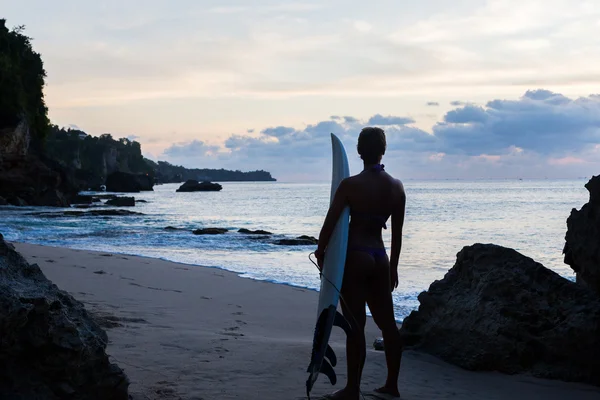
(369, 276)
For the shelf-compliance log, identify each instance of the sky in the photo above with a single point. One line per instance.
(467, 89)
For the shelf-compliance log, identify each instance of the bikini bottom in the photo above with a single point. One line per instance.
(375, 252)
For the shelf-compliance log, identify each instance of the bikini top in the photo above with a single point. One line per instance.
(375, 217)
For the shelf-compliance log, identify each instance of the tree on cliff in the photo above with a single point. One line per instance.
(21, 83)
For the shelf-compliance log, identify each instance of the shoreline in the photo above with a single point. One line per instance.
(183, 332)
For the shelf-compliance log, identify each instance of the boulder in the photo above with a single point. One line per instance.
(299, 241)
(91, 213)
(121, 202)
(192, 185)
(256, 232)
(128, 183)
(582, 241)
(50, 346)
(29, 180)
(82, 199)
(498, 310)
(210, 231)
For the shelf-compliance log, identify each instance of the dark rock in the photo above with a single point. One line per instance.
(105, 196)
(50, 347)
(121, 202)
(31, 180)
(582, 241)
(82, 199)
(378, 344)
(17, 201)
(171, 228)
(210, 231)
(192, 185)
(92, 213)
(299, 241)
(129, 183)
(256, 232)
(499, 310)
(142, 201)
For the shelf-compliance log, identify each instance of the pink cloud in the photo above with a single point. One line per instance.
(487, 157)
(565, 161)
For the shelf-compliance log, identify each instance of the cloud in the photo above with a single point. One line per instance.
(539, 134)
(389, 120)
(540, 121)
(457, 103)
(250, 130)
(133, 137)
(191, 150)
(466, 114)
(432, 103)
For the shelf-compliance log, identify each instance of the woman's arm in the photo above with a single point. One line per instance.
(397, 225)
(340, 201)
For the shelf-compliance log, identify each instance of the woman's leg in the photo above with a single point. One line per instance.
(353, 309)
(379, 299)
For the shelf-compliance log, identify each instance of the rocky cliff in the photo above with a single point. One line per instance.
(582, 246)
(50, 348)
(498, 310)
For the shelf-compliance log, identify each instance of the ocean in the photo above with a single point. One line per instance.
(441, 217)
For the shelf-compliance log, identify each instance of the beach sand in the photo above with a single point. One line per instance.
(188, 332)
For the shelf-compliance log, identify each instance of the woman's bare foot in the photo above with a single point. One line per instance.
(392, 391)
(343, 394)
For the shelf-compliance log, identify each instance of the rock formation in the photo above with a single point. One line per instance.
(192, 185)
(121, 202)
(299, 241)
(582, 247)
(129, 183)
(499, 310)
(27, 178)
(256, 232)
(210, 231)
(50, 347)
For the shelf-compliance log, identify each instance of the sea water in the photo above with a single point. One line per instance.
(441, 217)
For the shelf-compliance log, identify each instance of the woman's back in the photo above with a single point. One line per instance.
(371, 197)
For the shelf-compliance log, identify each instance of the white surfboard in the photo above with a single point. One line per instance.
(323, 358)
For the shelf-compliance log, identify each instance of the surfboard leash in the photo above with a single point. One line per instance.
(343, 301)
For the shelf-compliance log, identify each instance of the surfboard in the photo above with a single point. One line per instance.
(323, 358)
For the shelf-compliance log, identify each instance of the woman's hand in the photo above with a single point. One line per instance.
(394, 278)
(320, 255)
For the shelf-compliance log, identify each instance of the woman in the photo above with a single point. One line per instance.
(369, 276)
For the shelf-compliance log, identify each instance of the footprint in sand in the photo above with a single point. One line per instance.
(100, 272)
(239, 321)
(238, 313)
(106, 255)
(50, 261)
(206, 298)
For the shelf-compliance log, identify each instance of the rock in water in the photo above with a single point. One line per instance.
(50, 348)
(582, 247)
(129, 183)
(121, 202)
(210, 231)
(499, 310)
(192, 185)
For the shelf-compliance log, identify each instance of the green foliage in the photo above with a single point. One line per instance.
(166, 172)
(21, 83)
(76, 149)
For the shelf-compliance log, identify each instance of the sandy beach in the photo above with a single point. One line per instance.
(188, 332)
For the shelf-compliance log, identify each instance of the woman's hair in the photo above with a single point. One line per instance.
(371, 144)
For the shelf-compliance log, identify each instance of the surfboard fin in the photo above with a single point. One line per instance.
(328, 371)
(341, 322)
(330, 354)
